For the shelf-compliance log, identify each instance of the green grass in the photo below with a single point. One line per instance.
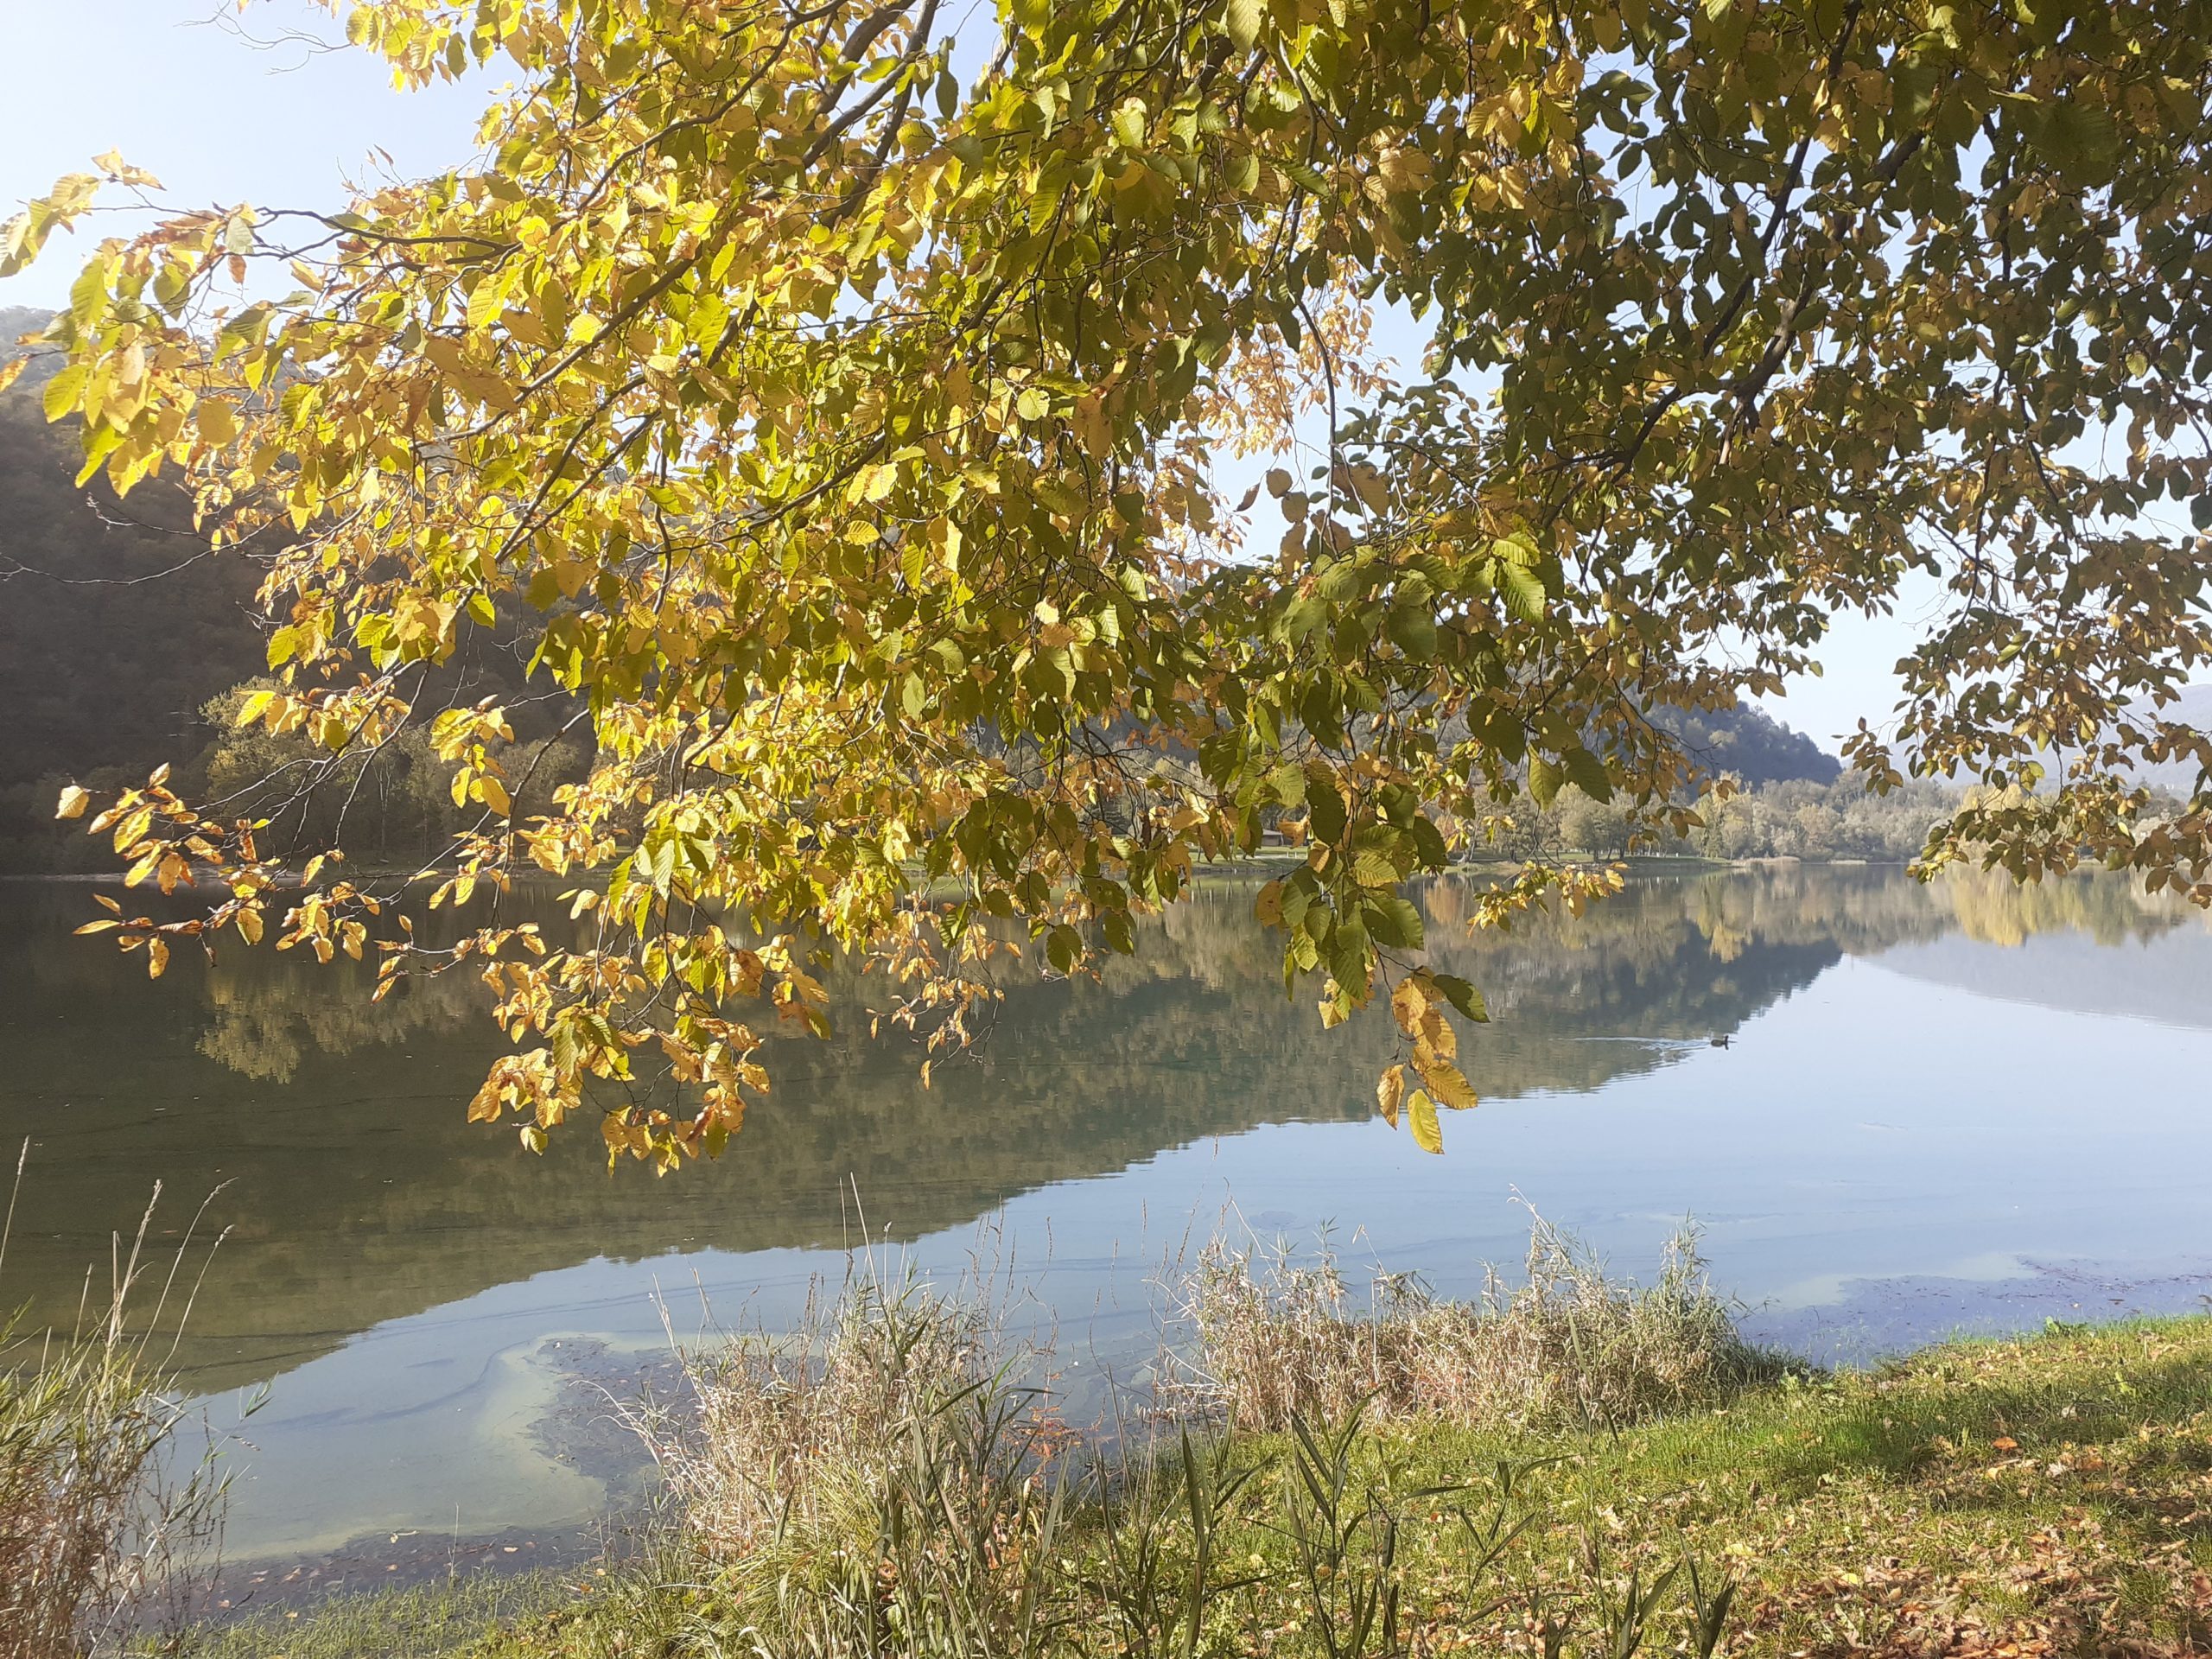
(474, 1612)
(2057, 1489)
(2053, 1493)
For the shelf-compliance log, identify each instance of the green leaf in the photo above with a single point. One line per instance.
(1413, 629)
(1395, 921)
(1544, 780)
(1462, 996)
(61, 393)
(1428, 844)
(1587, 774)
(1373, 867)
(1325, 806)
(1243, 24)
(1060, 496)
(1523, 590)
(1348, 953)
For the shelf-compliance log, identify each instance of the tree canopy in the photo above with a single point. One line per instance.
(834, 405)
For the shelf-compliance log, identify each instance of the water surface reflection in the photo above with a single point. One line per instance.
(1929, 1098)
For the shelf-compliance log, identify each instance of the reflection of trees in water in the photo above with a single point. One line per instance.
(359, 1193)
(1621, 960)
(265, 1013)
(1990, 909)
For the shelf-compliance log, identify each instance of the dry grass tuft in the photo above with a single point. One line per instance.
(795, 1433)
(884, 1485)
(877, 1482)
(91, 1536)
(1279, 1341)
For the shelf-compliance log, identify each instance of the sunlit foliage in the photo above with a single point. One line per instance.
(836, 405)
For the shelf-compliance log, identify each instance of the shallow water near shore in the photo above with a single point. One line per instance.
(1960, 1108)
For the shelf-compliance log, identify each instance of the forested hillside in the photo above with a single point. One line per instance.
(122, 637)
(1752, 746)
(116, 625)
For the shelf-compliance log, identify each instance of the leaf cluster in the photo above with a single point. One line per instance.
(839, 419)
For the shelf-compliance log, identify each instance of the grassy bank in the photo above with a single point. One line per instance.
(894, 1490)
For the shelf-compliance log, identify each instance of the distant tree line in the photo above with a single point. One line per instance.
(1786, 818)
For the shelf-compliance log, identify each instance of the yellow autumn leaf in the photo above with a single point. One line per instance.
(216, 421)
(1267, 908)
(1390, 1090)
(1420, 1117)
(1409, 1003)
(1089, 420)
(1449, 1084)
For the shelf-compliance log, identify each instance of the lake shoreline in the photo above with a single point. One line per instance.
(2037, 1491)
(420, 1297)
(1856, 1333)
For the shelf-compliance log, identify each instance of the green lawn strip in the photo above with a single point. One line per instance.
(2050, 1494)
(2054, 1492)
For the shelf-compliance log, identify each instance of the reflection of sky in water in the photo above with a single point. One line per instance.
(1911, 1133)
(1945, 1137)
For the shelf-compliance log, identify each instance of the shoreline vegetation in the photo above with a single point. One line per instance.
(102, 1520)
(1816, 822)
(1569, 1464)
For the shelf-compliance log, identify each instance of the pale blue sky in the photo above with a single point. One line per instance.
(173, 87)
(219, 121)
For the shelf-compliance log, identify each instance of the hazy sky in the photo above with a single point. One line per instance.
(173, 85)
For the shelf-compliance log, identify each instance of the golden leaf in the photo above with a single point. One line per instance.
(1421, 1117)
(1409, 1003)
(1449, 1084)
(1389, 1090)
(1267, 908)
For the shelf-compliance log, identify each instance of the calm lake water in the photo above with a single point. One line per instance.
(1962, 1108)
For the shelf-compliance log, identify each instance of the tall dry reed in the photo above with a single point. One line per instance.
(93, 1529)
(886, 1484)
(1279, 1339)
(878, 1484)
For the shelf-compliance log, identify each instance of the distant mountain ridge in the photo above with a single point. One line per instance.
(1750, 744)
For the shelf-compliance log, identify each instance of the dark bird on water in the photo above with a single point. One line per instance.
(1720, 1042)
